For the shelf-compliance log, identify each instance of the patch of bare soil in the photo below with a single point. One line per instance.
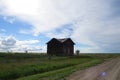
(109, 70)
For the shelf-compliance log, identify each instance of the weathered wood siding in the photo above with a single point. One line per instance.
(54, 47)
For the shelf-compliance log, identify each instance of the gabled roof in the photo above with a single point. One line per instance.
(61, 40)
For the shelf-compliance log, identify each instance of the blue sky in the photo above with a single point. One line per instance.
(29, 24)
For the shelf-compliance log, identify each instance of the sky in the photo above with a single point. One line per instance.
(94, 25)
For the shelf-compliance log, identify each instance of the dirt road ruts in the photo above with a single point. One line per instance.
(109, 70)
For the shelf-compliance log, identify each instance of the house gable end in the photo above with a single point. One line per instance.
(69, 41)
(60, 47)
(53, 41)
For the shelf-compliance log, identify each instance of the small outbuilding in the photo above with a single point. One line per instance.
(60, 47)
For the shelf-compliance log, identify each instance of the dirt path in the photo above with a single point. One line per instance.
(109, 70)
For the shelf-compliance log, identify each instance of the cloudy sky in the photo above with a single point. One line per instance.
(94, 25)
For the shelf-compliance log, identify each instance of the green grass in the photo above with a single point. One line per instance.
(29, 64)
(38, 66)
(61, 73)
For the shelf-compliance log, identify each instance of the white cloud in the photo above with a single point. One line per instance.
(62, 32)
(94, 21)
(26, 42)
(8, 43)
(9, 19)
(23, 31)
(41, 14)
(2, 30)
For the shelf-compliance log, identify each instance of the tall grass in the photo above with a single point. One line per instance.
(61, 73)
(17, 65)
(28, 64)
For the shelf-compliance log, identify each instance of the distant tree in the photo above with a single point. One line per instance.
(77, 52)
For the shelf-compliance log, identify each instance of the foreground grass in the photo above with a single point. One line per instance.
(30, 64)
(61, 73)
(38, 66)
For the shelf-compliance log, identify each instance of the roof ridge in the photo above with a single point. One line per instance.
(62, 39)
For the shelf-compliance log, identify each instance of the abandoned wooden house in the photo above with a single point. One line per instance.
(60, 47)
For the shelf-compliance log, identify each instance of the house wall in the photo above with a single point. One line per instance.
(68, 49)
(54, 47)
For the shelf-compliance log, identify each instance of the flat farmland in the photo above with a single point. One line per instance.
(32, 66)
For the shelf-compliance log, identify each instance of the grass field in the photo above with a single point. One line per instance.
(38, 66)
